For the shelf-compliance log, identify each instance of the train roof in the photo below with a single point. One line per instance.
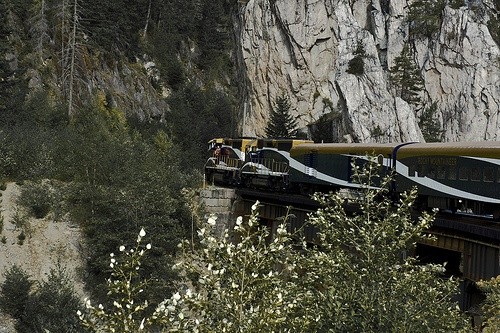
(345, 148)
(487, 149)
(249, 142)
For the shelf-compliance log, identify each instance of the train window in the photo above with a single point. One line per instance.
(475, 174)
(441, 173)
(422, 170)
(432, 172)
(411, 170)
(452, 173)
(463, 173)
(489, 175)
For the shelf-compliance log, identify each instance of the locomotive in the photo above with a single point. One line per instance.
(454, 176)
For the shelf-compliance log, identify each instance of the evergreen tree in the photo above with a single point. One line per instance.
(15, 291)
(405, 76)
(322, 129)
(281, 123)
(357, 64)
(13, 87)
(430, 125)
(5, 72)
(425, 17)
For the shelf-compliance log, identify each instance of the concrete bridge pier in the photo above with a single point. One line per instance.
(223, 203)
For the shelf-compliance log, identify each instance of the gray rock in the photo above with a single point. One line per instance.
(302, 48)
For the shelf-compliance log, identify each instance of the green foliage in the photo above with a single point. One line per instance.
(114, 24)
(21, 237)
(377, 132)
(124, 287)
(456, 4)
(253, 284)
(281, 123)
(356, 64)
(15, 292)
(366, 284)
(355, 278)
(37, 198)
(494, 25)
(430, 125)
(110, 177)
(491, 306)
(51, 307)
(322, 129)
(405, 76)
(122, 179)
(3, 185)
(198, 116)
(22, 224)
(425, 17)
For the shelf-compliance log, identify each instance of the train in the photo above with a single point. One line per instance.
(452, 176)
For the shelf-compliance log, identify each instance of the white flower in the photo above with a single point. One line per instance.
(148, 246)
(239, 220)
(211, 220)
(122, 248)
(255, 206)
(142, 233)
(142, 324)
(87, 303)
(177, 296)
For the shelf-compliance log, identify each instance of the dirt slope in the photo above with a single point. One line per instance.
(47, 242)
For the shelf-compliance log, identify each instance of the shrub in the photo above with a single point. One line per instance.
(52, 306)
(357, 64)
(425, 17)
(491, 306)
(36, 197)
(15, 291)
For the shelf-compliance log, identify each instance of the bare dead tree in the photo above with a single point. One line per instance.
(72, 47)
(148, 17)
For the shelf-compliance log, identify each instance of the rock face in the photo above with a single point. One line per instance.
(302, 48)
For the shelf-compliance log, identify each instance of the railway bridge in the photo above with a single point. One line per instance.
(470, 246)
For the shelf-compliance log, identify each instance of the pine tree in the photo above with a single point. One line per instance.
(430, 125)
(405, 76)
(357, 64)
(13, 87)
(281, 124)
(425, 17)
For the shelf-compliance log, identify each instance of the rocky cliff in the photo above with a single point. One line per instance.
(303, 49)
